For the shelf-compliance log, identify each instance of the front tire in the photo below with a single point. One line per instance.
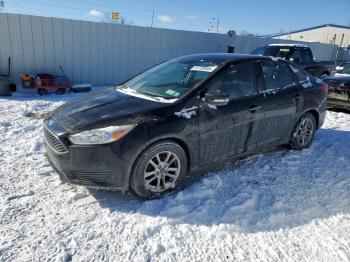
(158, 170)
(304, 132)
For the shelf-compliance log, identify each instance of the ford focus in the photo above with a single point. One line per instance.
(180, 116)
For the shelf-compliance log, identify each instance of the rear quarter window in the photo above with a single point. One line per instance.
(277, 75)
(304, 78)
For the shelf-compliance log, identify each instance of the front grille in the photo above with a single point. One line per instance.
(54, 142)
(95, 177)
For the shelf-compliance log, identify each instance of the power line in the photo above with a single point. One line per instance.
(80, 15)
(37, 8)
(157, 11)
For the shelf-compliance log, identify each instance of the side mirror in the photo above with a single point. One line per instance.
(217, 98)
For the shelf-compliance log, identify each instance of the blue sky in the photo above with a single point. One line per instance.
(254, 16)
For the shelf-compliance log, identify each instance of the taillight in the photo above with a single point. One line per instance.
(324, 88)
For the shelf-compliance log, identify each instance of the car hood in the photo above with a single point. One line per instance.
(105, 108)
(338, 77)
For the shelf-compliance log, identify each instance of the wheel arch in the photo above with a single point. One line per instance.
(154, 141)
(316, 115)
(176, 140)
(314, 112)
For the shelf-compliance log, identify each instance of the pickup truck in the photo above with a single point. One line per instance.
(299, 54)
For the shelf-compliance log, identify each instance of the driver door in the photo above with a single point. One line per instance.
(230, 129)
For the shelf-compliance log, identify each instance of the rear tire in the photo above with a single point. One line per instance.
(158, 170)
(304, 132)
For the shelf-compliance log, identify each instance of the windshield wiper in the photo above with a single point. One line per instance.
(157, 97)
(150, 95)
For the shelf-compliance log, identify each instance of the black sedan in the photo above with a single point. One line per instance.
(181, 116)
(339, 89)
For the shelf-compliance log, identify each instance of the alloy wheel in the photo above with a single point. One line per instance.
(162, 171)
(304, 131)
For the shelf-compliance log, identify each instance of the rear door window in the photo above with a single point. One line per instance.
(277, 75)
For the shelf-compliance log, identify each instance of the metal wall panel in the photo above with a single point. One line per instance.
(49, 52)
(68, 49)
(16, 44)
(28, 44)
(5, 44)
(58, 41)
(107, 54)
(77, 51)
(85, 52)
(38, 39)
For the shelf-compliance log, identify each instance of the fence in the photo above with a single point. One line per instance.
(104, 53)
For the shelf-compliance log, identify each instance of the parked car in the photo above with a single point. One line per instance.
(181, 116)
(339, 89)
(299, 54)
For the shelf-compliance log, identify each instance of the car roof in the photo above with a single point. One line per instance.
(220, 57)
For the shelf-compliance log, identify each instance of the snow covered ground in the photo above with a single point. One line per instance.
(280, 206)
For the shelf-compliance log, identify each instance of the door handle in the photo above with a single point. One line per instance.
(254, 109)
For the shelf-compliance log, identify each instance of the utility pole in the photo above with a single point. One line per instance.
(217, 25)
(152, 18)
(339, 47)
(211, 25)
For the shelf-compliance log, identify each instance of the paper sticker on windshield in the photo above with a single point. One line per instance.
(172, 93)
(204, 68)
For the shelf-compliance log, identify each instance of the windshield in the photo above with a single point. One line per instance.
(170, 80)
(275, 51)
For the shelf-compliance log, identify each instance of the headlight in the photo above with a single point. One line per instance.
(100, 135)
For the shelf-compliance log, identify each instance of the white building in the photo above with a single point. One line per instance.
(328, 34)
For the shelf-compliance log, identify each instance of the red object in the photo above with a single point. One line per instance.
(49, 81)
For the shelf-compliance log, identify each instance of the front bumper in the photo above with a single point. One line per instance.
(105, 166)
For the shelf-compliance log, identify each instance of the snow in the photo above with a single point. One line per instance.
(187, 112)
(283, 44)
(280, 206)
(133, 92)
(81, 85)
(342, 75)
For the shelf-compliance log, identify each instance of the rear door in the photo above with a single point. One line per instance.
(280, 100)
(230, 129)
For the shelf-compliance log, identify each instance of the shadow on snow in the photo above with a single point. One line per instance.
(270, 191)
